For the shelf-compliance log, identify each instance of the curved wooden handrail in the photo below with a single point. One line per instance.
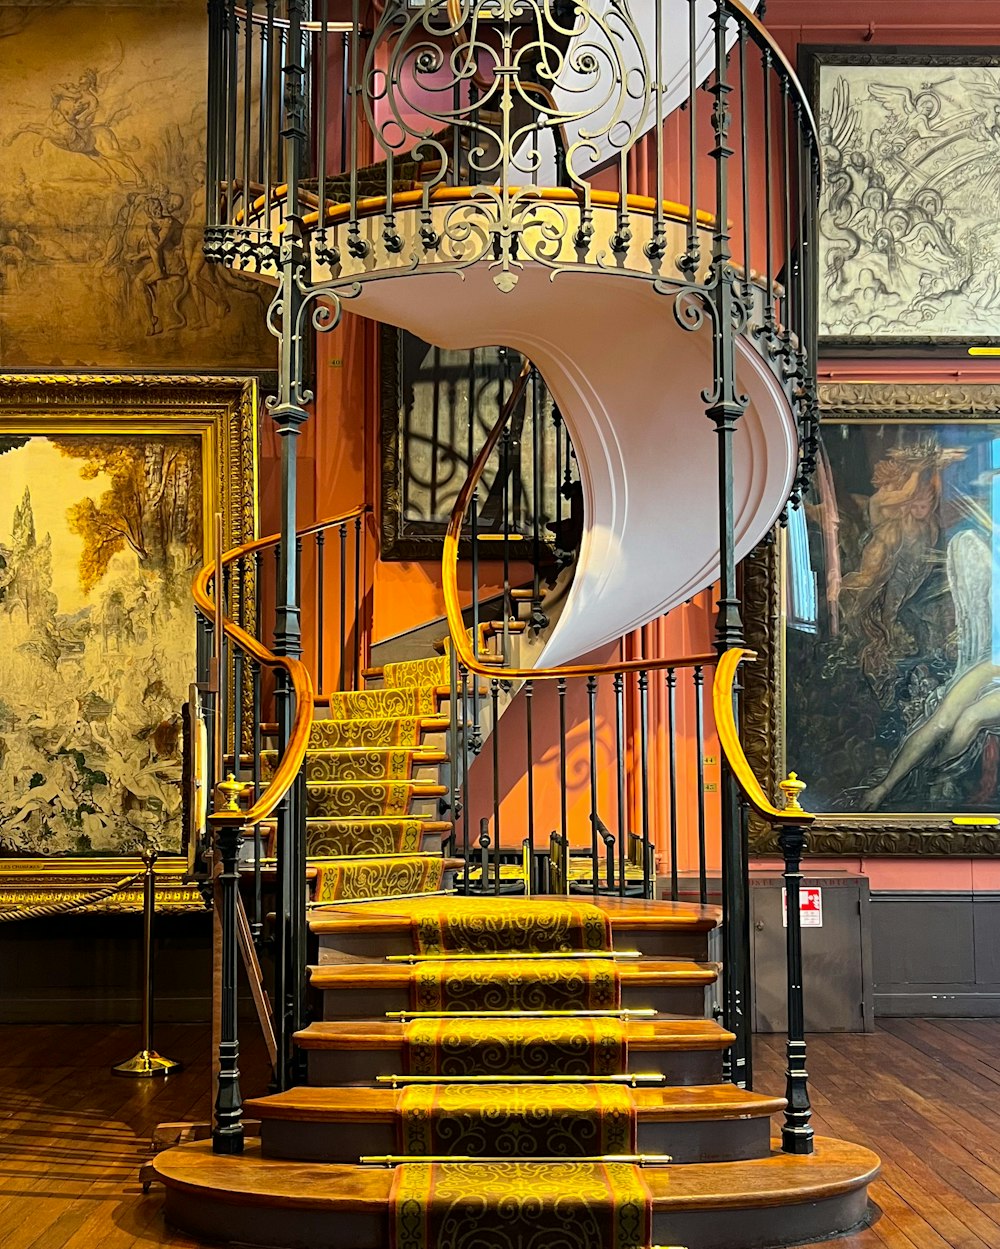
(449, 576)
(729, 739)
(296, 671)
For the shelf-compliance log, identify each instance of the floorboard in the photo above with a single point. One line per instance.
(924, 1094)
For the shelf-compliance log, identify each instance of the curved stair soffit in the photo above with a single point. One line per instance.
(628, 381)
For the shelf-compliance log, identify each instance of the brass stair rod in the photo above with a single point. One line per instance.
(464, 956)
(147, 1062)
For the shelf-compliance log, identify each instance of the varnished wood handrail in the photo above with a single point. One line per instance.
(296, 671)
(449, 576)
(729, 739)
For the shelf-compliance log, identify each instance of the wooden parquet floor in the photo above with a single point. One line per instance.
(923, 1094)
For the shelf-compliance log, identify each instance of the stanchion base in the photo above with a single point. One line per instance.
(145, 1064)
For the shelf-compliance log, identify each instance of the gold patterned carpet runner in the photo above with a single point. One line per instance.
(521, 1047)
(542, 925)
(365, 734)
(340, 838)
(514, 984)
(354, 878)
(519, 1205)
(517, 1120)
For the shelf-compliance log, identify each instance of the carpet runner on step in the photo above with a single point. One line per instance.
(521, 1047)
(365, 734)
(353, 878)
(341, 838)
(519, 1205)
(541, 925)
(544, 984)
(517, 1120)
(359, 763)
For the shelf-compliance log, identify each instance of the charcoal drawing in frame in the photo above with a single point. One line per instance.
(909, 214)
(875, 616)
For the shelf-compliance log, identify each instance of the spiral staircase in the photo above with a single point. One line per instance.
(525, 1057)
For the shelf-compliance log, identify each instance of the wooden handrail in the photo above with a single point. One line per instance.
(729, 739)
(449, 576)
(296, 671)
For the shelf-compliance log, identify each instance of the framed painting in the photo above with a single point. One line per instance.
(909, 214)
(109, 489)
(437, 406)
(876, 618)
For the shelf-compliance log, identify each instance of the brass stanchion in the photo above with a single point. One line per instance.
(147, 1062)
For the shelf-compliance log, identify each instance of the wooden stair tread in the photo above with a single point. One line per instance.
(777, 1180)
(642, 1034)
(630, 912)
(399, 975)
(658, 1105)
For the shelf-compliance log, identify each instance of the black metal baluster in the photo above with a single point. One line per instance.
(345, 99)
(538, 618)
(322, 92)
(796, 1132)
(247, 105)
(557, 424)
(358, 529)
(233, 42)
(692, 257)
(217, 61)
(495, 701)
(320, 609)
(769, 322)
(273, 69)
(530, 753)
(484, 855)
(672, 773)
(257, 925)
(619, 686)
(699, 713)
(563, 796)
(342, 664)
(745, 167)
(594, 815)
(790, 291)
(227, 1130)
(467, 796)
(647, 849)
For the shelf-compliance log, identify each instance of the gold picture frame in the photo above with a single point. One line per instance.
(217, 415)
(929, 416)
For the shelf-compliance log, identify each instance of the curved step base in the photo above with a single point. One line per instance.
(773, 1201)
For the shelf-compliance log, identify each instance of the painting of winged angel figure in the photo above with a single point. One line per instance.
(893, 640)
(99, 538)
(909, 215)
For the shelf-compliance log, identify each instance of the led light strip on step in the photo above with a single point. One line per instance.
(397, 1160)
(636, 1079)
(638, 1012)
(518, 955)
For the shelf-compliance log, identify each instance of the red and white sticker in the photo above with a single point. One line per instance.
(810, 907)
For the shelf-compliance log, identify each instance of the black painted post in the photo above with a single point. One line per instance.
(227, 1130)
(796, 1132)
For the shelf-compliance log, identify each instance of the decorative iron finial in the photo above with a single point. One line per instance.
(791, 787)
(231, 789)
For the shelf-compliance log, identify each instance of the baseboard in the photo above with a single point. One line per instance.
(966, 1005)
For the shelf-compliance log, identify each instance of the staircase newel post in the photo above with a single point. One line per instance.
(288, 410)
(796, 1132)
(227, 1129)
(725, 408)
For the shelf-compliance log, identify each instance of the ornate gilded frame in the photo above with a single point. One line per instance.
(764, 680)
(223, 411)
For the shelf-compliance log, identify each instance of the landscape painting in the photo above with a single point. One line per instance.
(909, 215)
(892, 610)
(102, 201)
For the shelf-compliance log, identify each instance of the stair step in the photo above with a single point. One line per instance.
(659, 929)
(364, 990)
(703, 1123)
(371, 799)
(387, 703)
(365, 763)
(354, 878)
(382, 731)
(685, 1051)
(375, 837)
(776, 1200)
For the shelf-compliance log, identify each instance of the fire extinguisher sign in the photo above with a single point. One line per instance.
(810, 907)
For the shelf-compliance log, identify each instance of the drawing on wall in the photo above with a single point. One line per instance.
(102, 203)
(909, 214)
(892, 647)
(100, 538)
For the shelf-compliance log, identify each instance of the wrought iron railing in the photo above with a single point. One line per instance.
(251, 692)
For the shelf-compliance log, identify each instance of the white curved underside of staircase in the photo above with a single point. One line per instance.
(588, 95)
(628, 381)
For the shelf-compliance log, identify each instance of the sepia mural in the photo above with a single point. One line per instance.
(910, 207)
(102, 200)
